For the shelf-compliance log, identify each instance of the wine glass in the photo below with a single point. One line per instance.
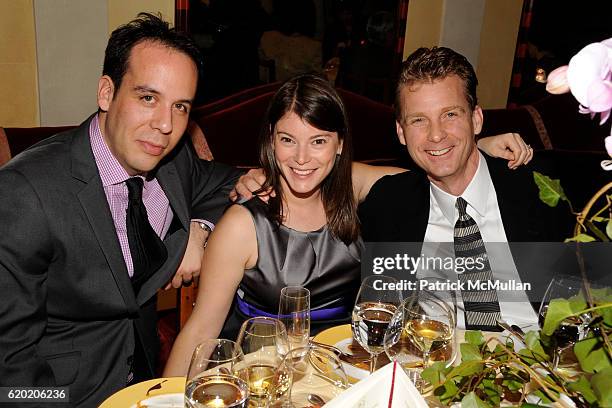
(294, 312)
(265, 343)
(315, 375)
(210, 381)
(572, 329)
(374, 307)
(422, 330)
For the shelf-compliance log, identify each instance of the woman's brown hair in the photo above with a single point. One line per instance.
(315, 101)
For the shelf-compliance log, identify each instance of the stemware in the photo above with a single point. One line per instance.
(314, 373)
(422, 330)
(562, 288)
(294, 313)
(374, 308)
(265, 343)
(209, 379)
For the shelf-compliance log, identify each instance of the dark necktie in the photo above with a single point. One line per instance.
(147, 249)
(481, 306)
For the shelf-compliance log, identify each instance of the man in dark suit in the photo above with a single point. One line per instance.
(78, 299)
(437, 119)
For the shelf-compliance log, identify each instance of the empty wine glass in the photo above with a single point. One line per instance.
(210, 381)
(294, 312)
(572, 329)
(264, 342)
(374, 308)
(422, 330)
(315, 375)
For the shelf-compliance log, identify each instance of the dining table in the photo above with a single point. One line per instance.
(169, 392)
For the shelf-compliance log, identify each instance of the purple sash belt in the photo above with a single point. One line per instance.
(315, 314)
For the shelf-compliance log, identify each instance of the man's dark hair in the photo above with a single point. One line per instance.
(426, 65)
(145, 27)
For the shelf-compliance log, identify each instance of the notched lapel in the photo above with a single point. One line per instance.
(95, 206)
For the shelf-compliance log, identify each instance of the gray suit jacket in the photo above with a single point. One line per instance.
(68, 311)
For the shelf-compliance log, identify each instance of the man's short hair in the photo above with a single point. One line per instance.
(431, 64)
(145, 27)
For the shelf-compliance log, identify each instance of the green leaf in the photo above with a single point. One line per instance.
(583, 386)
(602, 387)
(471, 400)
(466, 368)
(609, 228)
(446, 391)
(435, 374)
(591, 355)
(550, 190)
(596, 231)
(532, 341)
(474, 337)
(513, 385)
(581, 238)
(559, 310)
(470, 352)
(606, 312)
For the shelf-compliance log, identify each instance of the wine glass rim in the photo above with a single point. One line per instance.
(280, 326)
(366, 281)
(236, 349)
(300, 289)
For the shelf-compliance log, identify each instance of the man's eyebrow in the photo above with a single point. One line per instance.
(147, 89)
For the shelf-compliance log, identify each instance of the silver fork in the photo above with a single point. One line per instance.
(349, 358)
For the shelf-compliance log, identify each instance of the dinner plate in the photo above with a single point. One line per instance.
(342, 337)
(168, 395)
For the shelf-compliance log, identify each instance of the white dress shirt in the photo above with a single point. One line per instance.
(483, 208)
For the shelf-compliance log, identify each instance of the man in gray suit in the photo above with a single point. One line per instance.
(72, 314)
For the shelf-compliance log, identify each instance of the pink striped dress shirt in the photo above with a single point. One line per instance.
(113, 177)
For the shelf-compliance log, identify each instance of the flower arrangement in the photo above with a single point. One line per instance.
(588, 76)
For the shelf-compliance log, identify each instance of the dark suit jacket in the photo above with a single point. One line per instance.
(397, 207)
(68, 310)
(397, 210)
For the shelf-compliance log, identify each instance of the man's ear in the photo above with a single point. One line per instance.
(400, 133)
(477, 119)
(106, 92)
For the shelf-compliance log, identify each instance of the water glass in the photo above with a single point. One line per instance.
(374, 307)
(210, 382)
(315, 376)
(294, 313)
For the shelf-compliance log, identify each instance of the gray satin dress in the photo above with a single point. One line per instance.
(316, 260)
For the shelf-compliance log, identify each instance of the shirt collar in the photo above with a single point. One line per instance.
(475, 194)
(111, 171)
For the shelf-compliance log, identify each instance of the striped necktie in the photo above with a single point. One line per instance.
(481, 306)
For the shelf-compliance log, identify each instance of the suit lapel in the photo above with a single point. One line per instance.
(172, 186)
(415, 223)
(176, 238)
(95, 206)
(512, 205)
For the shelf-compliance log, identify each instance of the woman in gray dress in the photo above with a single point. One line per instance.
(307, 235)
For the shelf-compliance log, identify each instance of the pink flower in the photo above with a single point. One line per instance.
(589, 77)
(557, 81)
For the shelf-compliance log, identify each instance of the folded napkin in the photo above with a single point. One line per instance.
(386, 388)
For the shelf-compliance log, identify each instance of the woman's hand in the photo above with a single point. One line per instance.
(509, 146)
